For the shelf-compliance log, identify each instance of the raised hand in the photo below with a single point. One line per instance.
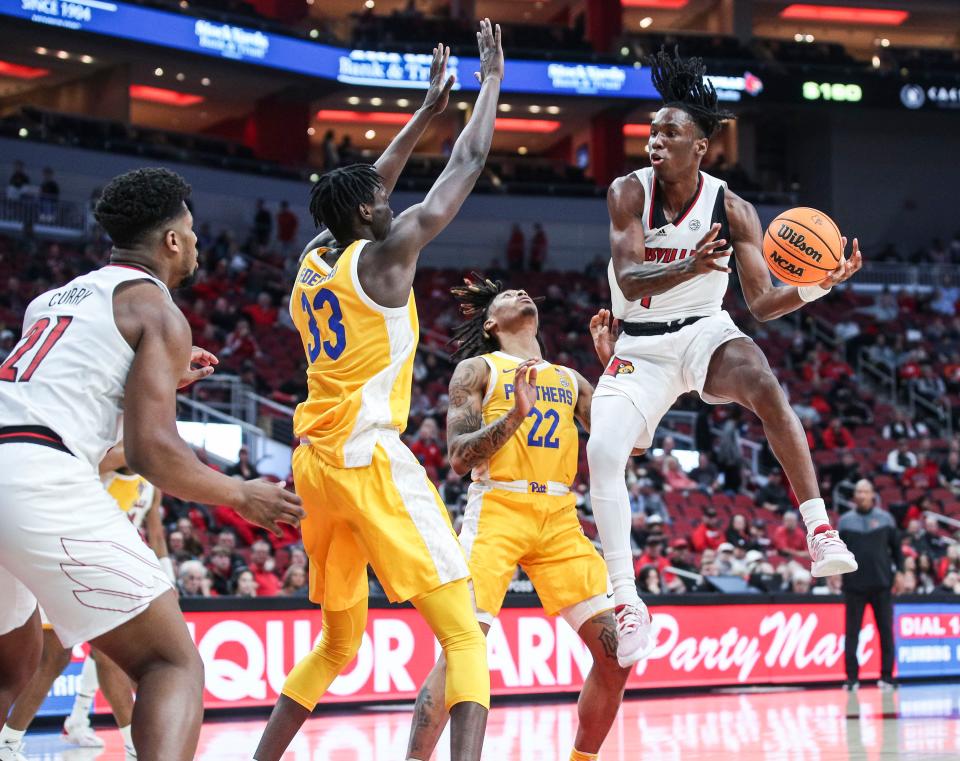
(708, 251)
(603, 330)
(267, 504)
(438, 94)
(847, 267)
(525, 387)
(201, 366)
(491, 52)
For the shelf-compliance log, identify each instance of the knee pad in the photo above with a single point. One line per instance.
(340, 639)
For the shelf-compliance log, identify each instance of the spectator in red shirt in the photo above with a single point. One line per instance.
(709, 534)
(426, 448)
(262, 565)
(263, 314)
(791, 539)
(652, 556)
(837, 435)
(924, 475)
(674, 477)
(240, 344)
(287, 224)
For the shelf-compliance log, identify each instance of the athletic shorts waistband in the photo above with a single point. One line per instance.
(657, 328)
(33, 434)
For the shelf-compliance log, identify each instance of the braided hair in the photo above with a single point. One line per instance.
(475, 297)
(681, 85)
(335, 197)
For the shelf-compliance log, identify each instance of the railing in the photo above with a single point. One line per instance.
(900, 275)
(937, 411)
(253, 437)
(879, 376)
(30, 213)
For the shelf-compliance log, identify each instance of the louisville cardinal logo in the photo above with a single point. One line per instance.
(619, 366)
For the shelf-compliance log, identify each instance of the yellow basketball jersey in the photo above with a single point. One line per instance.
(546, 447)
(132, 493)
(360, 359)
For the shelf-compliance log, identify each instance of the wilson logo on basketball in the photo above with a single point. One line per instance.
(798, 241)
(619, 367)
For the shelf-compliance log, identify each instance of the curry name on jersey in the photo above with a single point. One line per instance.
(545, 448)
(359, 359)
(667, 242)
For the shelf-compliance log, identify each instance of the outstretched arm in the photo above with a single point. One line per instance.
(469, 441)
(394, 159)
(764, 300)
(391, 163)
(387, 274)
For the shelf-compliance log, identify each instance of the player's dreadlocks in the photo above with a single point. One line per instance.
(475, 297)
(337, 194)
(681, 84)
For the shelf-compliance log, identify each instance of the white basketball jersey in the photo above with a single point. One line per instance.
(668, 242)
(69, 370)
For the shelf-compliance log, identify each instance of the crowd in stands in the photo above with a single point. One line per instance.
(730, 514)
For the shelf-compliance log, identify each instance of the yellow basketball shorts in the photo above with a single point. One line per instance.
(387, 514)
(540, 533)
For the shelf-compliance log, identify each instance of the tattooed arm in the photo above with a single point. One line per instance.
(469, 441)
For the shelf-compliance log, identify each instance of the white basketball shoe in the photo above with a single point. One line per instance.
(829, 553)
(634, 633)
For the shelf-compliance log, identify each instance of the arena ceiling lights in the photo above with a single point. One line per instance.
(845, 14)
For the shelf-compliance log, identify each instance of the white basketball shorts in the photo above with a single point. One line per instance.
(652, 371)
(64, 542)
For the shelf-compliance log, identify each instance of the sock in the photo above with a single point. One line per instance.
(11, 737)
(127, 734)
(577, 755)
(615, 425)
(814, 514)
(89, 683)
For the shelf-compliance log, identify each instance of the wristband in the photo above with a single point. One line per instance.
(167, 565)
(810, 293)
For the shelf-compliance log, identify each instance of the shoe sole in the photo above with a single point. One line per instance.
(633, 658)
(833, 566)
(77, 743)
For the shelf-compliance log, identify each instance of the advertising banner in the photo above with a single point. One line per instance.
(248, 654)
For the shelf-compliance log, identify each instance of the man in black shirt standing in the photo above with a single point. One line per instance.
(871, 535)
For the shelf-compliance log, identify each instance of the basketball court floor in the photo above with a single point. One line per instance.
(917, 722)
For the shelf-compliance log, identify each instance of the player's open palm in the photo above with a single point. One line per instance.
(491, 52)
(525, 387)
(438, 94)
(847, 267)
(709, 251)
(267, 504)
(603, 331)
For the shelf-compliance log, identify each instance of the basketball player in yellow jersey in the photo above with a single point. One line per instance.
(511, 421)
(368, 500)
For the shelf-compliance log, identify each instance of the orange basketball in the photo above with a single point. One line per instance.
(802, 246)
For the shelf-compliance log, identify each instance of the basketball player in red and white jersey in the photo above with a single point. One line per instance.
(110, 343)
(672, 231)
